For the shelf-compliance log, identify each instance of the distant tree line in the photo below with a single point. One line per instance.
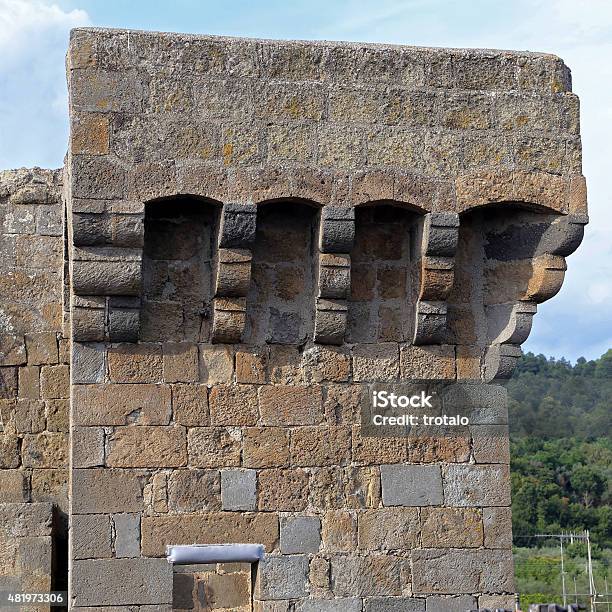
(561, 447)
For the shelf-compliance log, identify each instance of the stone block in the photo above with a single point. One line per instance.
(394, 604)
(91, 536)
(123, 324)
(8, 383)
(265, 447)
(88, 363)
(190, 405)
(98, 582)
(125, 404)
(251, 366)
(326, 364)
(216, 364)
(411, 485)
(284, 365)
(451, 528)
(87, 447)
(45, 450)
(375, 362)
(362, 487)
(451, 604)
(238, 489)
(180, 362)
(29, 382)
(88, 324)
(283, 490)
(341, 403)
(477, 485)
(300, 534)
(51, 485)
(388, 529)
(42, 348)
(97, 491)
(147, 446)
(208, 528)
(12, 348)
(337, 229)
(427, 362)
(339, 531)
(374, 575)
(341, 604)
(29, 416)
(290, 405)
(283, 577)
(135, 363)
(214, 447)
(497, 527)
(90, 134)
(368, 450)
(58, 418)
(194, 490)
(318, 446)
(436, 571)
(238, 223)
(127, 535)
(26, 520)
(14, 486)
(234, 405)
(106, 278)
(9, 451)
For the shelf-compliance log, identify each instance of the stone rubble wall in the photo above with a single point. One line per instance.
(34, 381)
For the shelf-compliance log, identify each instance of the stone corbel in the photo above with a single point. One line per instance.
(336, 236)
(438, 245)
(509, 325)
(233, 274)
(106, 286)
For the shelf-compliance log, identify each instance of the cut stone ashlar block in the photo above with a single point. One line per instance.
(238, 225)
(119, 582)
(233, 272)
(339, 604)
(476, 485)
(282, 577)
(337, 229)
(106, 277)
(330, 321)
(300, 534)
(238, 489)
(229, 319)
(411, 485)
(334, 276)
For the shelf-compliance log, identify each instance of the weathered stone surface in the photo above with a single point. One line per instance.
(238, 489)
(147, 446)
(312, 446)
(394, 604)
(265, 447)
(122, 581)
(283, 489)
(450, 604)
(216, 364)
(375, 362)
(372, 575)
(190, 405)
(140, 363)
(127, 535)
(102, 490)
(300, 534)
(214, 447)
(233, 405)
(208, 528)
(427, 362)
(324, 363)
(451, 528)
(342, 604)
(476, 485)
(339, 531)
(125, 404)
(388, 529)
(88, 363)
(180, 362)
(282, 577)
(411, 485)
(251, 367)
(497, 527)
(45, 450)
(285, 405)
(87, 447)
(91, 536)
(194, 490)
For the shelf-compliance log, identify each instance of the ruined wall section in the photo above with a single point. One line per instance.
(34, 381)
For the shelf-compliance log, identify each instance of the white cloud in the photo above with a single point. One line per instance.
(33, 106)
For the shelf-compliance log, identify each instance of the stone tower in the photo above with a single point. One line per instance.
(257, 235)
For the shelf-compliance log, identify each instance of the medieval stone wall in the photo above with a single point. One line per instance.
(34, 382)
(259, 234)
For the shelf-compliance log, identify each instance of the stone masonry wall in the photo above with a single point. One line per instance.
(34, 382)
(262, 232)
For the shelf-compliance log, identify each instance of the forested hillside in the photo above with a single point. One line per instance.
(561, 447)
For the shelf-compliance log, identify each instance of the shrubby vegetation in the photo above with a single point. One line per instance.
(560, 417)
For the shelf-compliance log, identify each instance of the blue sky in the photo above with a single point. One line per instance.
(33, 116)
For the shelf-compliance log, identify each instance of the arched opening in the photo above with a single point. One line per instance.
(383, 292)
(280, 302)
(177, 269)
